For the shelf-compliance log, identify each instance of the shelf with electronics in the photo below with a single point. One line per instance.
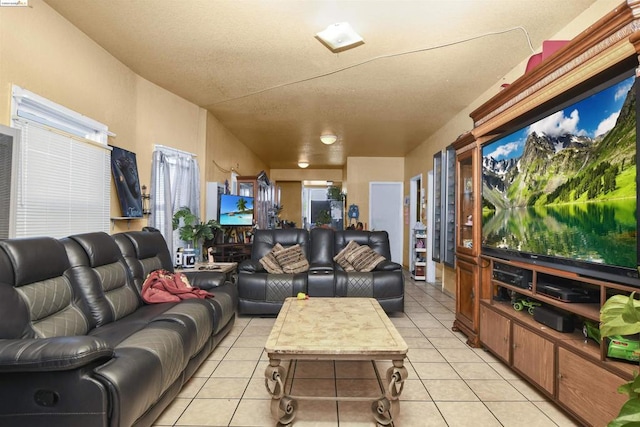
(499, 278)
(419, 253)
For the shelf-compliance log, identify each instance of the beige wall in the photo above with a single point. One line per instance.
(225, 153)
(42, 52)
(363, 170)
(291, 201)
(163, 118)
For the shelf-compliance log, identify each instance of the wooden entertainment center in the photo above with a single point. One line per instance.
(570, 370)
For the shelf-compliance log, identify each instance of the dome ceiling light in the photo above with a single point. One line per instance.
(303, 164)
(328, 139)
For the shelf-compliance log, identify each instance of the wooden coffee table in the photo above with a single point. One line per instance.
(334, 329)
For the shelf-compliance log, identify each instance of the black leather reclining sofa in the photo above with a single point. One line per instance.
(260, 292)
(79, 347)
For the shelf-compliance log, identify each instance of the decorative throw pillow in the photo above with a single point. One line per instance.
(299, 266)
(341, 258)
(269, 261)
(292, 260)
(364, 258)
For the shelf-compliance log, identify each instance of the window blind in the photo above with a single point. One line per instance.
(63, 185)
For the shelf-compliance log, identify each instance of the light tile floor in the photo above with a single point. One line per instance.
(449, 383)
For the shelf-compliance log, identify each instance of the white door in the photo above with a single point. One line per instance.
(385, 213)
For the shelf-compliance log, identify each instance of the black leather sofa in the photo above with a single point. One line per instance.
(79, 347)
(260, 292)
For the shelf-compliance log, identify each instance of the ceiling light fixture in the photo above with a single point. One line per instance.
(339, 37)
(328, 139)
(303, 164)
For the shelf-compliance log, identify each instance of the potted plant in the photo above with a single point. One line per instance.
(323, 218)
(620, 315)
(192, 229)
(335, 193)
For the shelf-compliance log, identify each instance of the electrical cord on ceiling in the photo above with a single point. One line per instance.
(391, 55)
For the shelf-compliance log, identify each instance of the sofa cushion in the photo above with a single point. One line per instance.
(292, 260)
(269, 261)
(341, 258)
(364, 259)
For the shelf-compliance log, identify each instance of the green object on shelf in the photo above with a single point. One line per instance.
(620, 315)
(520, 304)
(618, 347)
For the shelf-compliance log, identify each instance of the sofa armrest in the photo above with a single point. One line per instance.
(388, 266)
(205, 279)
(250, 266)
(51, 354)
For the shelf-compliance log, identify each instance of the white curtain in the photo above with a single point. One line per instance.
(175, 182)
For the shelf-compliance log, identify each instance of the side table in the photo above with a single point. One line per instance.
(230, 269)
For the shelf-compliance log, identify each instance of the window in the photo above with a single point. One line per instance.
(8, 158)
(64, 175)
(175, 182)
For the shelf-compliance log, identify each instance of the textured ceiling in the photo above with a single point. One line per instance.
(258, 68)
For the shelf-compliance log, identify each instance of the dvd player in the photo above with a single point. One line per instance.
(568, 294)
(511, 275)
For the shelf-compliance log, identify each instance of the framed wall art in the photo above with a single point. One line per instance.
(125, 176)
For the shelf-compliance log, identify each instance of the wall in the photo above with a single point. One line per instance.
(363, 170)
(163, 118)
(420, 160)
(225, 153)
(291, 201)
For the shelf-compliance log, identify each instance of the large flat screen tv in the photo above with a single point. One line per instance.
(562, 190)
(235, 210)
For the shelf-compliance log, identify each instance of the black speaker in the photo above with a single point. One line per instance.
(561, 322)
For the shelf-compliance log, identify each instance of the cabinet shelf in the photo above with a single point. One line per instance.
(574, 342)
(525, 318)
(590, 311)
(419, 254)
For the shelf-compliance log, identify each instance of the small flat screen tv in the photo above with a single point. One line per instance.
(235, 210)
(561, 190)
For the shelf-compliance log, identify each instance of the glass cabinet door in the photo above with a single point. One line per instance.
(449, 216)
(437, 248)
(246, 189)
(466, 200)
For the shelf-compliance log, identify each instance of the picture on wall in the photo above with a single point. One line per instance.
(125, 176)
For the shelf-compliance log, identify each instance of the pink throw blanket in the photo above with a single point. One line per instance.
(162, 286)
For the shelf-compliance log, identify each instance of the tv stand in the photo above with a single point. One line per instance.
(566, 367)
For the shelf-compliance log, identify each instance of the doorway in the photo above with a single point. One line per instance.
(385, 213)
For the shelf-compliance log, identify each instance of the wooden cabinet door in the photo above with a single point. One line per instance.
(587, 389)
(495, 332)
(467, 293)
(533, 356)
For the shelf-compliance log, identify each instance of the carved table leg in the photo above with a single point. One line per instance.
(385, 408)
(283, 408)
